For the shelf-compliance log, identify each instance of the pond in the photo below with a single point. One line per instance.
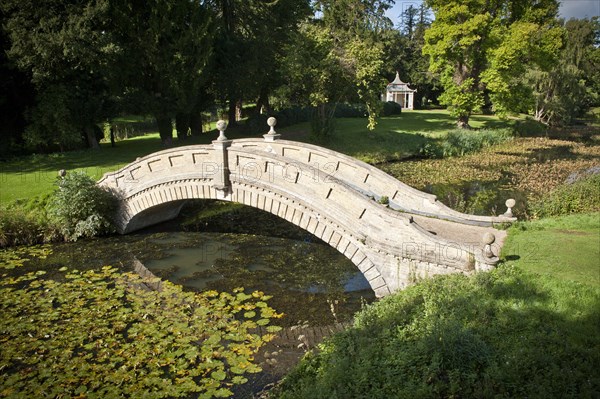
(310, 282)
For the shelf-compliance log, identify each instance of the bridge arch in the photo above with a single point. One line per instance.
(164, 200)
(388, 247)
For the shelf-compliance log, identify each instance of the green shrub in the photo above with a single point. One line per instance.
(384, 200)
(285, 117)
(345, 110)
(391, 108)
(583, 196)
(81, 208)
(460, 142)
(506, 333)
(17, 227)
(530, 128)
(431, 150)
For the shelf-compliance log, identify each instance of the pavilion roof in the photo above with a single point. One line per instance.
(399, 85)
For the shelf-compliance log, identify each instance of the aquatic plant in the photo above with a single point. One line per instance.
(105, 334)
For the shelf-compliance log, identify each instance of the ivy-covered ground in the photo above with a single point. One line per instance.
(525, 168)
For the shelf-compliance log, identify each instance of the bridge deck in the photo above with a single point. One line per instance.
(460, 233)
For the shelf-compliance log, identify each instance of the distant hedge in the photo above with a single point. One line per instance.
(295, 115)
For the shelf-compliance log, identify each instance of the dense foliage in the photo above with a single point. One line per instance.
(81, 208)
(566, 91)
(460, 142)
(20, 226)
(103, 333)
(481, 48)
(581, 196)
(66, 49)
(506, 333)
(337, 57)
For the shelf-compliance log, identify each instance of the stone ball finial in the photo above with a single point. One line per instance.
(272, 122)
(62, 173)
(510, 203)
(221, 126)
(489, 238)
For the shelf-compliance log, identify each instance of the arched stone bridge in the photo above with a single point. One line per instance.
(393, 233)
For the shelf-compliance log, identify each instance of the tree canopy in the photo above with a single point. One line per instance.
(66, 49)
(482, 48)
(73, 65)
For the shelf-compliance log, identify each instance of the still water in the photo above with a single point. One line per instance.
(222, 246)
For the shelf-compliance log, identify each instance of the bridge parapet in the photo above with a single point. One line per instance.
(371, 181)
(326, 193)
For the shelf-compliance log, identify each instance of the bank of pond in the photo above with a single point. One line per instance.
(513, 332)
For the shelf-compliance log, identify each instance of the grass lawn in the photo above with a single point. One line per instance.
(530, 328)
(394, 138)
(567, 247)
(35, 175)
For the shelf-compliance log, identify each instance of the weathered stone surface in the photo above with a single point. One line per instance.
(329, 194)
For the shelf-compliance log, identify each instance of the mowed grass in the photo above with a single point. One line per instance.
(36, 175)
(394, 138)
(566, 247)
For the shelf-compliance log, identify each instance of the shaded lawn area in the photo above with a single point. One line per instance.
(36, 175)
(394, 138)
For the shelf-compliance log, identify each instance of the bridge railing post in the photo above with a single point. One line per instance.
(221, 181)
(272, 135)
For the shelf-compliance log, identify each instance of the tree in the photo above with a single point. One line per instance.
(408, 21)
(166, 49)
(338, 57)
(251, 36)
(16, 95)
(570, 87)
(403, 53)
(66, 48)
(484, 47)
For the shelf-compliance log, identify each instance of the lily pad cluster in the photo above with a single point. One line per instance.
(103, 333)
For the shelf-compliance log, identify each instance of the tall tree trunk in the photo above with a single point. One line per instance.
(238, 110)
(165, 129)
(323, 121)
(231, 112)
(182, 125)
(112, 136)
(90, 134)
(263, 102)
(196, 124)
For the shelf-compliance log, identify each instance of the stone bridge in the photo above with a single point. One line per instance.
(393, 233)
